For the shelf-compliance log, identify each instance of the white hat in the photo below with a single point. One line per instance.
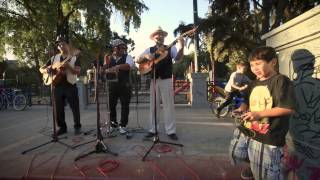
(117, 42)
(158, 31)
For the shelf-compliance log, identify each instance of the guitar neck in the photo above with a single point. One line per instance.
(182, 35)
(172, 44)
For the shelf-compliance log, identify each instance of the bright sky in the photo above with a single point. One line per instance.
(167, 14)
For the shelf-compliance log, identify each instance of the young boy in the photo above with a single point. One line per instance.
(265, 119)
(238, 82)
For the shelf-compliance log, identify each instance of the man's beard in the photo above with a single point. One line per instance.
(159, 43)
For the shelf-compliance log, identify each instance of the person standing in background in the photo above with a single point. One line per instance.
(120, 64)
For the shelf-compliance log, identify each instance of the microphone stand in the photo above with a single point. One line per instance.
(55, 138)
(137, 129)
(100, 147)
(156, 138)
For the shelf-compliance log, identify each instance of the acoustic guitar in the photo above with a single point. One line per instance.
(55, 78)
(146, 67)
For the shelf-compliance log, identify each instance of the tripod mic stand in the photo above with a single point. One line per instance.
(156, 138)
(100, 147)
(137, 129)
(55, 138)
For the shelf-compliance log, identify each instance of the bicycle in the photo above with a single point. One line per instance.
(13, 98)
(218, 98)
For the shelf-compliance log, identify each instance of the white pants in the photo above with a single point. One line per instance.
(164, 89)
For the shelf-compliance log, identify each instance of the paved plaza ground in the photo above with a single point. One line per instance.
(204, 154)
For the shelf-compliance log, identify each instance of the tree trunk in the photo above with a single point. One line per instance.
(281, 5)
(63, 21)
(266, 10)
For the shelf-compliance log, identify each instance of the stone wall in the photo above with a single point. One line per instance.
(298, 45)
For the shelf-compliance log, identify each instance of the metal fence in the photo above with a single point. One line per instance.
(40, 95)
(141, 92)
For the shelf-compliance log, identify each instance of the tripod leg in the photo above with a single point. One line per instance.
(176, 144)
(51, 141)
(147, 153)
(105, 149)
(84, 155)
(31, 149)
(100, 147)
(65, 144)
(74, 147)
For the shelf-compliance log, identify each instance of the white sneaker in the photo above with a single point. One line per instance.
(122, 130)
(111, 129)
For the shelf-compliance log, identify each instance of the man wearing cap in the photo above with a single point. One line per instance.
(163, 82)
(65, 88)
(119, 62)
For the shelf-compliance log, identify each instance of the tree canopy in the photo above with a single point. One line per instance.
(233, 28)
(30, 27)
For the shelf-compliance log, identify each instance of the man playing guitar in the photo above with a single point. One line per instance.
(163, 57)
(62, 70)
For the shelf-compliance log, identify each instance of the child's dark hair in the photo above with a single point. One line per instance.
(265, 53)
(241, 63)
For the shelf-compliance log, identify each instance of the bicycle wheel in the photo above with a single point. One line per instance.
(216, 103)
(19, 102)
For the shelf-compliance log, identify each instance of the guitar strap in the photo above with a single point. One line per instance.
(62, 59)
(52, 59)
(154, 49)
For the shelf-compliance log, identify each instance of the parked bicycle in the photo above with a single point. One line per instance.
(217, 97)
(13, 98)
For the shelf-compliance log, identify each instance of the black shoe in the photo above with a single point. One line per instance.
(77, 131)
(246, 174)
(114, 124)
(150, 135)
(60, 132)
(173, 136)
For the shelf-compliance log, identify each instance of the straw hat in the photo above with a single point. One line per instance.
(158, 31)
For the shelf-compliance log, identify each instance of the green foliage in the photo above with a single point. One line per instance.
(180, 68)
(22, 77)
(234, 27)
(30, 27)
(3, 67)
